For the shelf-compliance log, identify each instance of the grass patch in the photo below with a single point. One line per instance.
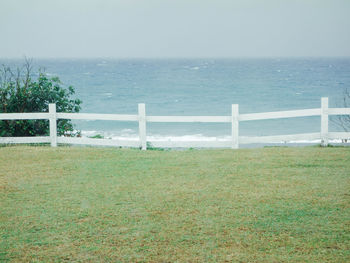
(82, 204)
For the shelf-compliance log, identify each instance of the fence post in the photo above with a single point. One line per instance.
(324, 122)
(235, 126)
(53, 124)
(142, 126)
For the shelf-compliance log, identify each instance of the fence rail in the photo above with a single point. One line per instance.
(324, 135)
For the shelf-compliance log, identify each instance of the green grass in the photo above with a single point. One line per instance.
(81, 204)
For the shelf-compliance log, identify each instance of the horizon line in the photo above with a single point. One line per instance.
(174, 58)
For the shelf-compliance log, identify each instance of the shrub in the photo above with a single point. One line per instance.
(23, 91)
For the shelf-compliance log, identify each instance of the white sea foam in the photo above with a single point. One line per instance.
(184, 138)
(131, 135)
(315, 141)
(88, 133)
(103, 63)
(128, 131)
(108, 94)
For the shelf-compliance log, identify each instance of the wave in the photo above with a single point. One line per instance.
(131, 135)
(103, 63)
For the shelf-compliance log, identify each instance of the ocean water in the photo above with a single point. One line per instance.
(201, 87)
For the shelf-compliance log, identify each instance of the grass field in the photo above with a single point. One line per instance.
(82, 204)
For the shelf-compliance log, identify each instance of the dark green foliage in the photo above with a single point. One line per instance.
(22, 91)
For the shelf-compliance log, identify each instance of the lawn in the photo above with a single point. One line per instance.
(84, 204)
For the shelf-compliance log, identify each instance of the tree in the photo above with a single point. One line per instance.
(344, 120)
(23, 91)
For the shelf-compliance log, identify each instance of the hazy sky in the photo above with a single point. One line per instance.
(174, 28)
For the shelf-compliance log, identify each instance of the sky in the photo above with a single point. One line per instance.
(174, 28)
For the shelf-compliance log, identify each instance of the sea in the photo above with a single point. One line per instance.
(201, 87)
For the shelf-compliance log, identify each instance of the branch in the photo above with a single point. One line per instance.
(343, 121)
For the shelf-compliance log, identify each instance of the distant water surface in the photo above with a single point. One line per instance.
(201, 87)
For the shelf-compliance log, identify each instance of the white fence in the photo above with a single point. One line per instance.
(324, 135)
